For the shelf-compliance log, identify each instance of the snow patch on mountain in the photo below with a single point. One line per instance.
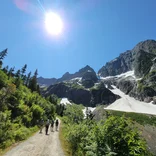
(86, 111)
(65, 101)
(129, 104)
(124, 75)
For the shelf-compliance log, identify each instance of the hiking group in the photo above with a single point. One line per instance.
(49, 124)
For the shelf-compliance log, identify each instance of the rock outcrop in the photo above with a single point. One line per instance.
(80, 95)
(119, 65)
(87, 74)
(46, 81)
(141, 59)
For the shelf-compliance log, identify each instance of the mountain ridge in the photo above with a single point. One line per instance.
(141, 59)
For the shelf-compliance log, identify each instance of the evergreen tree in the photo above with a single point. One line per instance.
(5, 69)
(18, 73)
(36, 73)
(33, 82)
(38, 89)
(2, 55)
(28, 79)
(10, 73)
(23, 70)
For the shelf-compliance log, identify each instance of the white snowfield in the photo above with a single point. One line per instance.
(89, 109)
(65, 101)
(129, 73)
(129, 104)
(77, 78)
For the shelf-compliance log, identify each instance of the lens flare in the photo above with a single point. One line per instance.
(53, 23)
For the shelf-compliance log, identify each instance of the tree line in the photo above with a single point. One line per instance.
(21, 105)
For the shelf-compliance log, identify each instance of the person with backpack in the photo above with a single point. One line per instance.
(56, 124)
(52, 125)
(47, 126)
(41, 123)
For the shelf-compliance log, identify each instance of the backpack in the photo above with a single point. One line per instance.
(57, 122)
(47, 123)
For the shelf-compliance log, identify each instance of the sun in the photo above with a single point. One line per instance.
(53, 23)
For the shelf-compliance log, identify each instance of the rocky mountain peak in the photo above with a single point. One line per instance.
(147, 46)
(87, 68)
(87, 73)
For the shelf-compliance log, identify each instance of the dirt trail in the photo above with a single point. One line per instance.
(39, 145)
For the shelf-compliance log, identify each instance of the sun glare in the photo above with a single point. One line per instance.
(53, 23)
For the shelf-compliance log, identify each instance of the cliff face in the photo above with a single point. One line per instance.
(87, 73)
(140, 59)
(121, 64)
(80, 95)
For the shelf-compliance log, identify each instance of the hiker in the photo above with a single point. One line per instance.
(56, 124)
(47, 126)
(52, 125)
(41, 125)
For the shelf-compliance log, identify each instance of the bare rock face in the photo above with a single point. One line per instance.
(126, 84)
(121, 64)
(154, 100)
(89, 78)
(141, 59)
(83, 96)
(148, 46)
(142, 63)
(46, 81)
(87, 73)
(103, 96)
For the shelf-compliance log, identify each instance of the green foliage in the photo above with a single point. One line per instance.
(74, 113)
(3, 79)
(53, 99)
(142, 119)
(113, 136)
(2, 56)
(121, 137)
(20, 109)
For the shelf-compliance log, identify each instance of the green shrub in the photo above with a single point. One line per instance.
(3, 79)
(22, 133)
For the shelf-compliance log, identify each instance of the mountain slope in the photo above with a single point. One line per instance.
(141, 59)
(129, 104)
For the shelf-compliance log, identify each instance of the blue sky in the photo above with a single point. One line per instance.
(95, 32)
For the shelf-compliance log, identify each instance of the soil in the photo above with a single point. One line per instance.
(39, 145)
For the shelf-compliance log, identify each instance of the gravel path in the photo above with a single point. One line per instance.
(39, 145)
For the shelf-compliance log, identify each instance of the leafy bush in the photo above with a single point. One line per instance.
(112, 136)
(3, 79)
(20, 110)
(22, 133)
